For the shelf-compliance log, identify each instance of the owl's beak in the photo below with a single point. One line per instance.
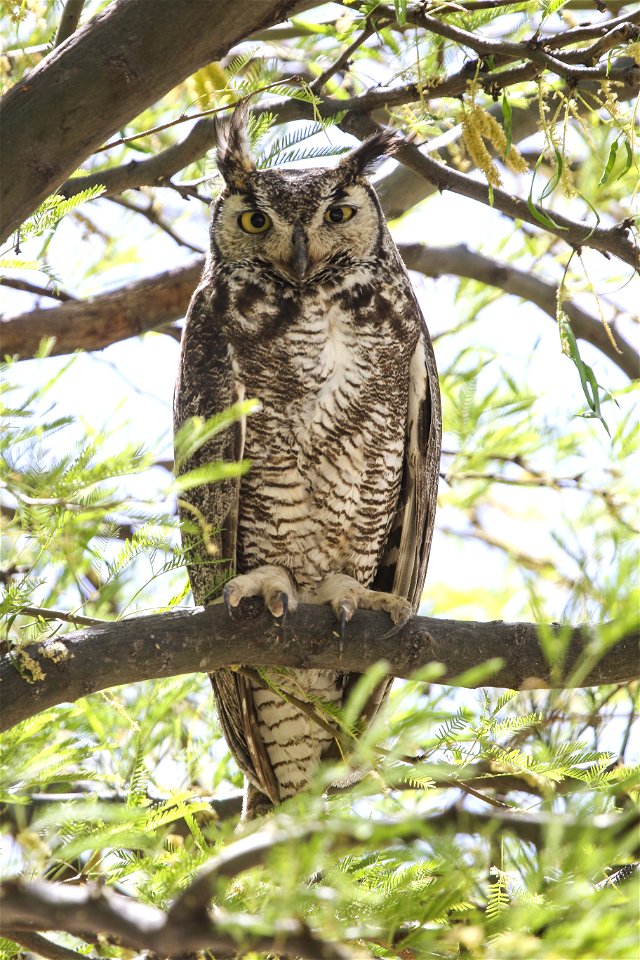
(300, 251)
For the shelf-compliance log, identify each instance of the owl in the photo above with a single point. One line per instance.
(305, 305)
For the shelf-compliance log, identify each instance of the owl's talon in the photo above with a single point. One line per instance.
(272, 584)
(230, 597)
(401, 614)
(345, 612)
(278, 604)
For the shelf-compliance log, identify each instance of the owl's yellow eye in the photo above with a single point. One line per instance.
(339, 214)
(254, 221)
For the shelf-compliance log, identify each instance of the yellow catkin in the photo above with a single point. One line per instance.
(471, 134)
(610, 99)
(493, 132)
(477, 126)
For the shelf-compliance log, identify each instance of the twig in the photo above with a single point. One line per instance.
(342, 60)
(46, 613)
(69, 20)
(38, 291)
(532, 49)
(150, 214)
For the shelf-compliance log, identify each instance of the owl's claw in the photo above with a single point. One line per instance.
(273, 584)
(278, 604)
(345, 612)
(346, 595)
(230, 597)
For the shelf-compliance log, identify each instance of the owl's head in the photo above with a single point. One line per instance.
(296, 222)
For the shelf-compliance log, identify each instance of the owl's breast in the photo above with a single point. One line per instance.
(327, 448)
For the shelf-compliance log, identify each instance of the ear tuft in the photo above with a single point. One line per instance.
(234, 153)
(363, 159)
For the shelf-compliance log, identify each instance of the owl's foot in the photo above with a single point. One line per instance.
(273, 584)
(346, 595)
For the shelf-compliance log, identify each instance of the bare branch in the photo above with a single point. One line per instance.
(27, 287)
(45, 613)
(43, 947)
(150, 213)
(155, 171)
(154, 302)
(624, 29)
(166, 645)
(93, 324)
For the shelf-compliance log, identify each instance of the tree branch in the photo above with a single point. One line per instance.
(158, 169)
(133, 59)
(188, 926)
(91, 909)
(107, 318)
(69, 20)
(624, 29)
(43, 947)
(92, 659)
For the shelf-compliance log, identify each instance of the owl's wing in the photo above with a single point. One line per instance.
(204, 387)
(209, 512)
(403, 567)
(404, 562)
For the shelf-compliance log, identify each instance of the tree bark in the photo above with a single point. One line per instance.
(124, 59)
(164, 645)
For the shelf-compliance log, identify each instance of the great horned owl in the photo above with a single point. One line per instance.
(306, 305)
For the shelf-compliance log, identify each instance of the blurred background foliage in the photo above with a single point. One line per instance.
(538, 520)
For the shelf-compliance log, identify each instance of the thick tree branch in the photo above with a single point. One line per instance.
(92, 909)
(92, 659)
(132, 59)
(107, 318)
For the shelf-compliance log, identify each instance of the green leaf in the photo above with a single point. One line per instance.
(506, 118)
(401, 11)
(537, 214)
(209, 473)
(611, 159)
(590, 386)
(629, 160)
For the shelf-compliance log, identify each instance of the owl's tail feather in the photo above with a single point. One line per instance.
(255, 803)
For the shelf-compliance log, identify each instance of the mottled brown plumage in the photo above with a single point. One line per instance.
(305, 304)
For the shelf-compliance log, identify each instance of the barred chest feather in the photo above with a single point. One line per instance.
(330, 364)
